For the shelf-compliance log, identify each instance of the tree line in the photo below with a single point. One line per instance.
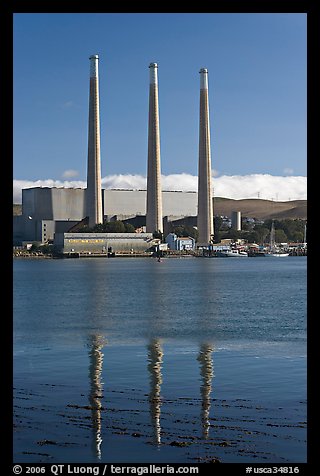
(116, 226)
(288, 230)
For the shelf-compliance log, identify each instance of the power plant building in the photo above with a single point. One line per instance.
(133, 202)
(45, 203)
(48, 210)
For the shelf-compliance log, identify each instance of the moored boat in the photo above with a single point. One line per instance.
(274, 251)
(277, 253)
(233, 253)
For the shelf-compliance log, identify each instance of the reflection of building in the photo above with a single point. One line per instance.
(206, 371)
(155, 355)
(95, 369)
(155, 361)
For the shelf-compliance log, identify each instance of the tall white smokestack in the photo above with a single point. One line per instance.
(94, 194)
(205, 212)
(154, 192)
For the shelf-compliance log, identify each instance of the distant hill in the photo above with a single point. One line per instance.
(261, 209)
(254, 208)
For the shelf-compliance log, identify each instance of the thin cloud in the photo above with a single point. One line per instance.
(183, 182)
(70, 173)
(124, 182)
(264, 186)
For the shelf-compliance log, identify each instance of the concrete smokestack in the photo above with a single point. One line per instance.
(94, 194)
(205, 211)
(154, 193)
(236, 220)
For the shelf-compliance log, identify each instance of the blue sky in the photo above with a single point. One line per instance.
(257, 92)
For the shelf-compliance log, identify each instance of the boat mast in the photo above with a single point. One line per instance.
(272, 237)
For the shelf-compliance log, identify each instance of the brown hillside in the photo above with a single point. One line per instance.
(254, 208)
(261, 209)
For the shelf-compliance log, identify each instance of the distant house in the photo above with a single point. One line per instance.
(180, 243)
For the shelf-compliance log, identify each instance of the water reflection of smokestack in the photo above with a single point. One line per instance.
(155, 355)
(97, 342)
(206, 372)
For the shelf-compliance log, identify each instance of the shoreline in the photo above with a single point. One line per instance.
(122, 255)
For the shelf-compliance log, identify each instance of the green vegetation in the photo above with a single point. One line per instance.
(44, 249)
(184, 231)
(285, 231)
(117, 226)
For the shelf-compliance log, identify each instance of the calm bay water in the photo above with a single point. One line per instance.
(187, 360)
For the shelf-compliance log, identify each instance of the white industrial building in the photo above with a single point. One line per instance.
(46, 211)
(180, 243)
(133, 202)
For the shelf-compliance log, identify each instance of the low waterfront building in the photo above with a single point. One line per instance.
(180, 243)
(102, 243)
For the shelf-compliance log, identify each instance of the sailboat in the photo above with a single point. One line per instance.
(273, 249)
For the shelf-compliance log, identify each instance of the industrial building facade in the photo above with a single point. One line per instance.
(100, 243)
(46, 211)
